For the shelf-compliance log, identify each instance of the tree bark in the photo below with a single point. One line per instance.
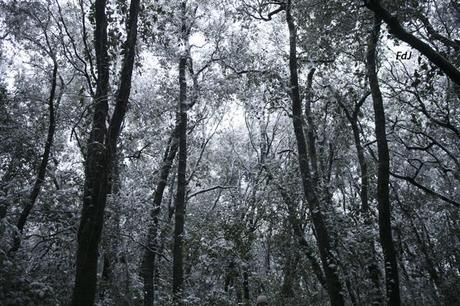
(111, 240)
(148, 263)
(101, 152)
(178, 269)
(383, 174)
(334, 286)
(96, 176)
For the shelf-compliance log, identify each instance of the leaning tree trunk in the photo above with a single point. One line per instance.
(101, 152)
(334, 286)
(148, 262)
(178, 269)
(43, 164)
(383, 174)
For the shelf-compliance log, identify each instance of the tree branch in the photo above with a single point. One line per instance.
(209, 189)
(395, 28)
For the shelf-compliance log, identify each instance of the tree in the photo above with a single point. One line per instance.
(334, 286)
(101, 151)
(383, 175)
(289, 184)
(179, 204)
(149, 257)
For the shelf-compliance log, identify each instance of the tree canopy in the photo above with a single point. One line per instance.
(203, 152)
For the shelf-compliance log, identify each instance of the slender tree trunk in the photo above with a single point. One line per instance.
(310, 128)
(334, 286)
(364, 193)
(178, 269)
(101, 152)
(148, 263)
(370, 256)
(43, 164)
(383, 174)
(352, 117)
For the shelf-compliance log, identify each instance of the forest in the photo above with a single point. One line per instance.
(230, 152)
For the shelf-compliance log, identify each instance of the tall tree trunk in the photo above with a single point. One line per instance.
(101, 152)
(148, 262)
(383, 174)
(111, 239)
(43, 164)
(334, 287)
(96, 176)
(178, 269)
